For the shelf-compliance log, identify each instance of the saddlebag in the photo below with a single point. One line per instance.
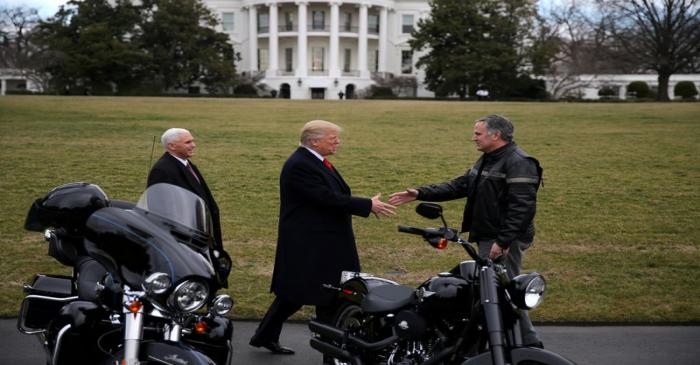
(44, 299)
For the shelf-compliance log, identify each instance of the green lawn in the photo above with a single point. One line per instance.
(618, 218)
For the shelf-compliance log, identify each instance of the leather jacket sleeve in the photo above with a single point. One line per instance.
(449, 190)
(522, 179)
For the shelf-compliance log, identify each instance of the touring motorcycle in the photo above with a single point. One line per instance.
(143, 284)
(469, 315)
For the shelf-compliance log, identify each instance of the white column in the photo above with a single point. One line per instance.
(273, 40)
(3, 86)
(362, 42)
(302, 65)
(253, 38)
(383, 27)
(333, 70)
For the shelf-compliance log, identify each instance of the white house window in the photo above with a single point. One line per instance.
(347, 22)
(317, 58)
(373, 60)
(263, 23)
(373, 24)
(347, 60)
(406, 62)
(227, 21)
(288, 59)
(407, 23)
(263, 59)
(318, 20)
(288, 21)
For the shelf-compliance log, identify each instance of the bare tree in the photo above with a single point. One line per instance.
(585, 47)
(17, 52)
(663, 34)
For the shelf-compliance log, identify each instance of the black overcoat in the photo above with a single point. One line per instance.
(169, 169)
(315, 240)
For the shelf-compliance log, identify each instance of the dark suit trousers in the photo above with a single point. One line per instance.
(280, 310)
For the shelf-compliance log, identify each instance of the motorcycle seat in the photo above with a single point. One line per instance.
(387, 298)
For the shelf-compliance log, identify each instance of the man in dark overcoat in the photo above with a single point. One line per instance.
(175, 167)
(315, 239)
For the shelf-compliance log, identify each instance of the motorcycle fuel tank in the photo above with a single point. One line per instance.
(447, 294)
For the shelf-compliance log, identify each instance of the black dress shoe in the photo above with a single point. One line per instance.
(274, 347)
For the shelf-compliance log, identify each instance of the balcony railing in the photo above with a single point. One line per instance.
(263, 30)
(318, 27)
(318, 72)
(285, 72)
(349, 29)
(351, 73)
(288, 28)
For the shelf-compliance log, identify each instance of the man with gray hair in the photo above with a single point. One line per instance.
(501, 191)
(175, 167)
(315, 241)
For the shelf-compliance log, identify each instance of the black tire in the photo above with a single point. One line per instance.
(348, 317)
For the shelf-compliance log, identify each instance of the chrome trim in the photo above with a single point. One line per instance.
(59, 338)
(23, 312)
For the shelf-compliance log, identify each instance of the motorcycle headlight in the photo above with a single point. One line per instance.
(222, 304)
(189, 296)
(157, 283)
(527, 290)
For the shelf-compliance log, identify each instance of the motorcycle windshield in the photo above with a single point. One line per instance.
(178, 205)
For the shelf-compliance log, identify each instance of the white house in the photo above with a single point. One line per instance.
(319, 49)
(587, 86)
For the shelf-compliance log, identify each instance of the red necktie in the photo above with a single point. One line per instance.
(189, 167)
(328, 164)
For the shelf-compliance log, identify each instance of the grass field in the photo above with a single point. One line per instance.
(618, 217)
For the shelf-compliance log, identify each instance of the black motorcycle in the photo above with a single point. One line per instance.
(469, 315)
(144, 282)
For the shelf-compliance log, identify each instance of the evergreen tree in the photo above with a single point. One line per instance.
(481, 42)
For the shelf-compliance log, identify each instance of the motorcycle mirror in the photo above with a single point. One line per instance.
(429, 210)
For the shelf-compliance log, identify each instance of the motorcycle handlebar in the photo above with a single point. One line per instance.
(411, 230)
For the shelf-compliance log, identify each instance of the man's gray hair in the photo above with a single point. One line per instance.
(171, 135)
(496, 123)
(316, 129)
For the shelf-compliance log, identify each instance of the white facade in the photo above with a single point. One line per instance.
(587, 86)
(318, 49)
(16, 80)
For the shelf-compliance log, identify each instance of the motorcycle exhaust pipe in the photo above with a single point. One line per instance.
(339, 335)
(331, 350)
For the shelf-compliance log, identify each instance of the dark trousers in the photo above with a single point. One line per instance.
(280, 310)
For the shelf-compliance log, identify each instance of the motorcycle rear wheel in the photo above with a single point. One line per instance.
(348, 318)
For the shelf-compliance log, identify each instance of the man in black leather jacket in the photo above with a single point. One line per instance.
(501, 191)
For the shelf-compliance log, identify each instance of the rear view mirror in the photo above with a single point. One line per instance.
(429, 210)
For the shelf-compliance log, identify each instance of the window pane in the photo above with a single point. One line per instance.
(407, 24)
(406, 62)
(347, 22)
(348, 59)
(263, 59)
(227, 22)
(317, 58)
(318, 20)
(288, 21)
(288, 59)
(373, 23)
(263, 23)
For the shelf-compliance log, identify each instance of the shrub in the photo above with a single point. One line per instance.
(685, 89)
(640, 89)
(245, 90)
(606, 92)
(381, 92)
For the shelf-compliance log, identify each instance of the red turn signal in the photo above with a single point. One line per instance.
(442, 244)
(200, 327)
(135, 306)
(348, 292)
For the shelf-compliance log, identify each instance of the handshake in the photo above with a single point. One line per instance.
(395, 199)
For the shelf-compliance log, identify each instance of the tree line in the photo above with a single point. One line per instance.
(504, 46)
(92, 46)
